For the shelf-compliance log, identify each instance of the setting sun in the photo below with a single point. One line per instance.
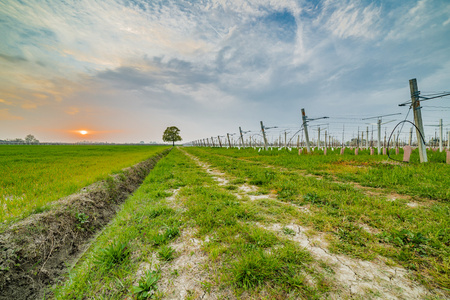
(83, 132)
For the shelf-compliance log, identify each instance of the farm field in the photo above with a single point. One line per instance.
(32, 176)
(226, 224)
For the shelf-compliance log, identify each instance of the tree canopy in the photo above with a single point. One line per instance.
(30, 139)
(172, 134)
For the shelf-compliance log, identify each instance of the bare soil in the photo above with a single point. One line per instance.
(36, 252)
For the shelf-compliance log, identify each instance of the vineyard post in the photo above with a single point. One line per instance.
(207, 140)
(305, 127)
(440, 136)
(212, 141)
(418, 119)
(379, 136)
(367, 137)
(298, 141)
(318, 139)
(242, 138)
(410, 136)
(220, 142)
(326, 139)
(285, 139)
(264, 135)
(448, 140)
(229, 143)
(357, 139)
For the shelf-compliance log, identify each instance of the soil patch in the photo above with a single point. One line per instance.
(35, 252)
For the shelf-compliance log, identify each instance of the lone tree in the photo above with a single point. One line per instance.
(172, 134)
(30, 139)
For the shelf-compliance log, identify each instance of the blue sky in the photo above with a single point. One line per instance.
(126, 70)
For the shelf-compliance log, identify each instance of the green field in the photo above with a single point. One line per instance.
(32, 176)
(362, 210)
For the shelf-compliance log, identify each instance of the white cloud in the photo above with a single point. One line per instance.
(350, 19)
(206, 59)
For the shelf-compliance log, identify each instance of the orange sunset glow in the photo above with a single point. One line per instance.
(83, 132)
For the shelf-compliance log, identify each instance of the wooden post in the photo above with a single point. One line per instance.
(242, 137)
(379, 136)
(367, 137)
(264, 136)
(305, 127)
(418, 119)
(441, 148)
(212, 141)
(318, 139)
(220, 142)
(410, 136)
(448, 140)
(229, 142)
(357, 139)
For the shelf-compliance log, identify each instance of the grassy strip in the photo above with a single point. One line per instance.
(144, 224)
(429, 180)
(417, 238)
(32, 176)
(247, 259)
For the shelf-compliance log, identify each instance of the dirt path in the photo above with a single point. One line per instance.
(355, 278)
(389, 195)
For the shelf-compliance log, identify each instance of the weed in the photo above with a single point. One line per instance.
(147, 286)
(82, 218)
(407, 240)
(288, 231)
(112, 255)
(169, 234)
(165, 253)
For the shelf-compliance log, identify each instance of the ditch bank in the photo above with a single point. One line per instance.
(36, 252)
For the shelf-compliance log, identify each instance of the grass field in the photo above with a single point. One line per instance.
(32, 176)
(273, 225)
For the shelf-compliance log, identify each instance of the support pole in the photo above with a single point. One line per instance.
(418, 119)
(264, 135)
(220, 142)
(318, 139)
(285, 139)
(229, 142)
(379, 136)
(441, 148)
(305, 127)
(367, 137)
(212, 141)
(242, 137)
(410, 136)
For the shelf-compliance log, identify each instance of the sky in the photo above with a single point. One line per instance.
(124, 71)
